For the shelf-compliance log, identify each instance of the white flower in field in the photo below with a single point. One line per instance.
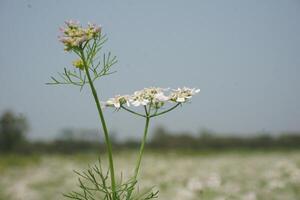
(220, 198)
(249, 196)
(231, 188)
(295, 177)
(214, 181)
(194, 184)
(184, 194)
(181, 95)
(117, 101)
(275, 184)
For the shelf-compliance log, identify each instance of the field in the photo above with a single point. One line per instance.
(179, 176)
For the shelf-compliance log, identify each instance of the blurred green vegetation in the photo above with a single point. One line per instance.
(209, 140)
(13, 139)
(14, 161)
(43, 169)
(208, 174)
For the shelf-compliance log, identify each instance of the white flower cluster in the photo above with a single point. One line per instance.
(155, 96)
(181, 95)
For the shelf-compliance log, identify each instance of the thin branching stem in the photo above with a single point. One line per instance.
(136, 171)
(107, 140)
(133, 112)
(142, 147)
(161, 113)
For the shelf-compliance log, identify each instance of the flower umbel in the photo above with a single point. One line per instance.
(152, 99)
(74, 35)
(86, 43)
(181, 95)
(154, 96)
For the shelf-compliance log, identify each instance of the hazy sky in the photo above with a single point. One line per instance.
(244, 55)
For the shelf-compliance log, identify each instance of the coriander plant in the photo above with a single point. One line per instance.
(91, 64)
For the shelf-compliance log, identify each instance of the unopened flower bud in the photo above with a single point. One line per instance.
(78, 64)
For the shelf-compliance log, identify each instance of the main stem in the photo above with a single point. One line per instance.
(107, 140)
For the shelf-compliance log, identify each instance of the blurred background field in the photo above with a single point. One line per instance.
(240, 175)
(181, 165)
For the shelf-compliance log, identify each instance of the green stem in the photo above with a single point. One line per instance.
(138, 163)
(148, 116)
(107, 140)
(172, 108)
(136, 171)
(131, 111)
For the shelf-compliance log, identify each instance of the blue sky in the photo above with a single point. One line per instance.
(243, 55)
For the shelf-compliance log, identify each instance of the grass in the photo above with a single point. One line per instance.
(11, 161)
(190, 175)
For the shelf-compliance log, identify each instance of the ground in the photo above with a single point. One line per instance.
(246, 175)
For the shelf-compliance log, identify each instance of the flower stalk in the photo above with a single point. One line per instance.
(152, 99)
(106, 135)
(141, 151)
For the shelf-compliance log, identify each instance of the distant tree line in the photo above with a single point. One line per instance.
(210, 140)
(12, 131)
(13, 138)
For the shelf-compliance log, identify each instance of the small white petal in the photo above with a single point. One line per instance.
(180, 99)
(161, 97)
(144, 103)
(135, 103)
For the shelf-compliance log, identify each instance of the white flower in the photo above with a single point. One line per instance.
(195, 184)
(138, 99)
(214, 181)
(249, 196)
(117, 101)
(160, 97)
(151, 95)
(181, 95)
